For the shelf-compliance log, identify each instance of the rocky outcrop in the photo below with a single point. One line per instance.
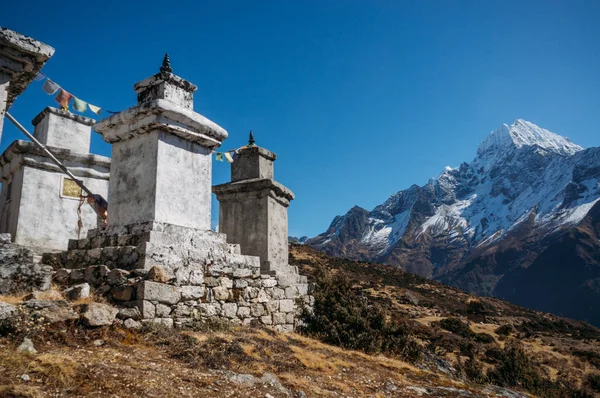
(20, 270)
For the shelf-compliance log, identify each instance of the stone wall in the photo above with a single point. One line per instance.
(173, 275)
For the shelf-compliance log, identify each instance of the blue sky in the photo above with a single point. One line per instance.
(359, 99)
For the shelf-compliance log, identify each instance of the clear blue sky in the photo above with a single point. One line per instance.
(359, 99)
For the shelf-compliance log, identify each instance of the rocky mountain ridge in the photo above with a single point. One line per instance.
(480, 226)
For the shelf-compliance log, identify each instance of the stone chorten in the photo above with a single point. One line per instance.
(39, 203)
(159, 218)
(21, 58)
(253, 208)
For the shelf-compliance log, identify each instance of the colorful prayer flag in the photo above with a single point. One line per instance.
(235, 155)
(50, 87)
(228, 157)
(39, 76)
(79, 105)
(63, 97)
(94, 109)
(219, 157)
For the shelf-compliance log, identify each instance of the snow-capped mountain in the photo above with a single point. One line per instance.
(525, 186)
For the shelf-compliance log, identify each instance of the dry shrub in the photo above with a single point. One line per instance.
(55, 369)
(214, 352)
(345, 316)
(20, 391)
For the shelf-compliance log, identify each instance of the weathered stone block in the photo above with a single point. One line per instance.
(286, 305)
(269, 282)
(266, 320)
(117, 276)
(289, 318)
(183, 310)
(262, 297)
(161, 292)
(129, 313)
(257, 309)
(196, 277)
(278, 318)
(209, 309)
(272, 306)
(243, 312)
(97, 314)
(290, 292)
(211, 281)
(166, 322)
(242, 273)
(76, 276)
(78, 291)
(226, 282)
(302, 289)
(278, 293)
(240, 283)
(132, 324)
(61, 276)
(147, 309)
(286, 280)
(192, 292)
(162, 311)
(230, 310)
(220, 293)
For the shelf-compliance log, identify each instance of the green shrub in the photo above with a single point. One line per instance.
(590, 356)
(343, 315)
(493, 355)
(505, 330)
(594, 382)
(456, 326)
(484, 338)
(515, 369)
(474, 370)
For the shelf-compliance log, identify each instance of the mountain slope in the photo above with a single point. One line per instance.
(478, 226)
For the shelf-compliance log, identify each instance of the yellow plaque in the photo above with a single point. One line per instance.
(70, 188)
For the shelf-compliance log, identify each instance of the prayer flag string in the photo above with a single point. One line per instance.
(63, 97)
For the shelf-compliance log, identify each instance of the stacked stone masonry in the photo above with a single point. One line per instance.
(175, 275)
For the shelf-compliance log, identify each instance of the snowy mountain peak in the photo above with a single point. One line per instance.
(522, 134)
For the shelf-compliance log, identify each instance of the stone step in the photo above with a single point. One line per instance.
(124, 257)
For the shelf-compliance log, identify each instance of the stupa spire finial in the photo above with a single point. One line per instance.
(166, 65)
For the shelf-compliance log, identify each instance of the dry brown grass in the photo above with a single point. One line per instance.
(20, 391)
(58, 369)
(12, 298)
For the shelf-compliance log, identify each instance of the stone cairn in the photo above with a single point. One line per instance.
(157, 259)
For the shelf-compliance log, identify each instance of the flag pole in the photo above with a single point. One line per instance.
(102, 205)
(47, 152)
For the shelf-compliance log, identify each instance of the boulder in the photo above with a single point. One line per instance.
(132, 324)
(27, 347)
(97, 314)
(18, 277)
(133, 313)
(6, 310)
(77, 292)
(57, 313)
(117, 277)
(62, 276)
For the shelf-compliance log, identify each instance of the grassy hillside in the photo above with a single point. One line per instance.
(418, 341)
